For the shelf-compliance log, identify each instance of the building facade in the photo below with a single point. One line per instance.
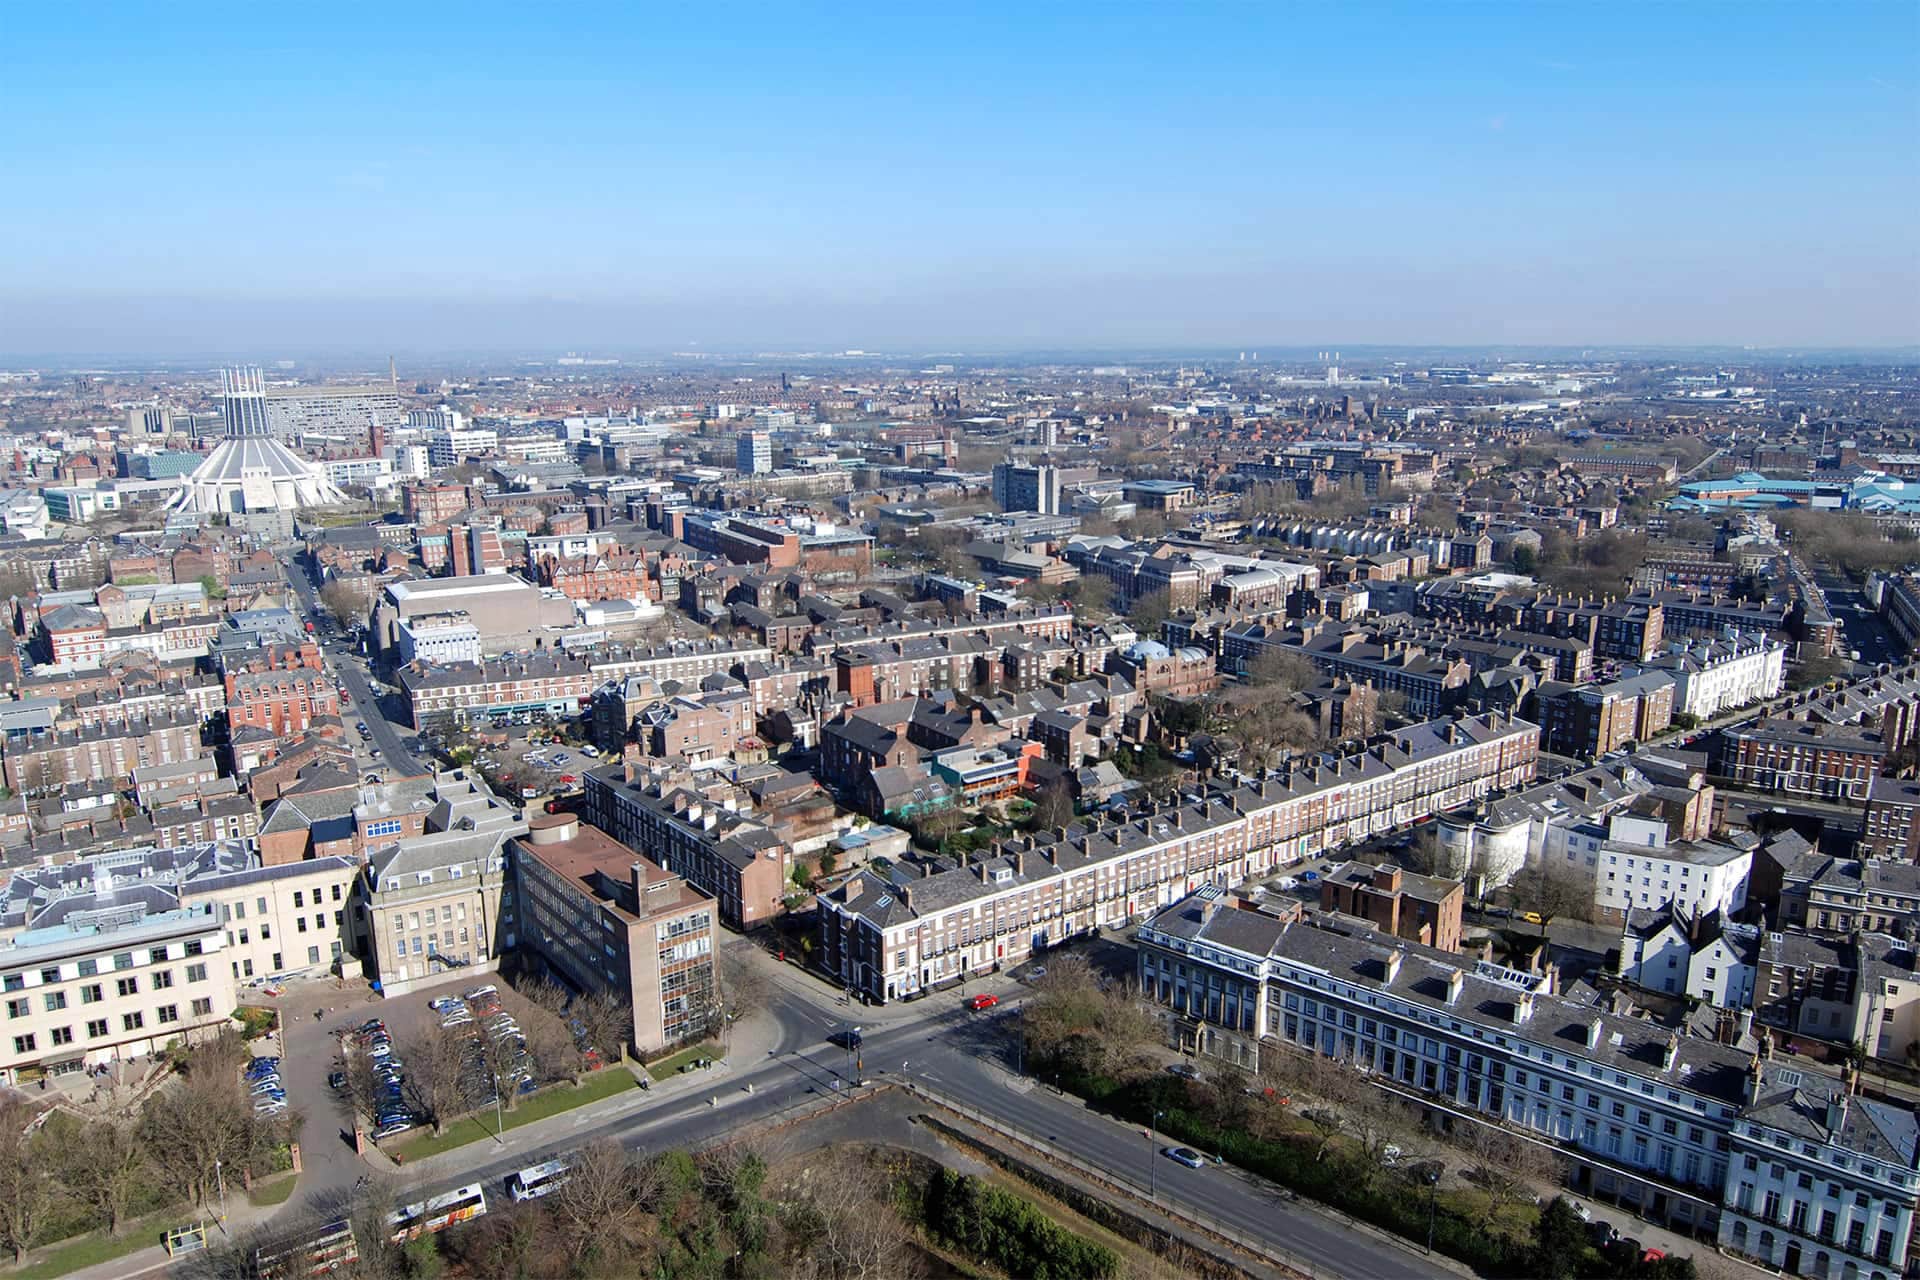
(606, 919)
(1688, 1132)
(897, 935)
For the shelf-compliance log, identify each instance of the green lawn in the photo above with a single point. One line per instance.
(87, 1251)
(271, 1193)
(667, 1068)
(548, 1102)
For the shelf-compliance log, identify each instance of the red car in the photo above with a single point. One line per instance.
(983, 1001)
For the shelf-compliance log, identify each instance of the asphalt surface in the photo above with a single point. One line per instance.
(1865, 630)
(966, 1058)
(386, 739)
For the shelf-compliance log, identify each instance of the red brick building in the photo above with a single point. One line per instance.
(1804, 758)
(283, 702)
(1419, 908)
(435, 503)
(612, 575)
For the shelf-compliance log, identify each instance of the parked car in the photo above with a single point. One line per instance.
(985, 1000)
(1185, 1071)
(445, 1004)
(337, 1080)
(475, 993)
(1186, 1156)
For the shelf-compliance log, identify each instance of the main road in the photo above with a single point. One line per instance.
(352, 674)
(967, 1059)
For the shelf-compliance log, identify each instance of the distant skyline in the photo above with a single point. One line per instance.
(1071, 176)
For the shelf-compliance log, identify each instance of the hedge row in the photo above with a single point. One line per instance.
(1010, 1233)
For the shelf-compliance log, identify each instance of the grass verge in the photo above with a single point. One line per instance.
(548, 1102)
(668, 1067)
(87, 1251)
(272, 1193)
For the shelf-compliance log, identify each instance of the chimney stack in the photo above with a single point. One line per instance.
(1594, 1029)
(1836, 1113)
(1456, 982)
(1393, 965)
(1672, 1052)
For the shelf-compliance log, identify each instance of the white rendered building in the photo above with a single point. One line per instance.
(1711, 676)
(1636, 867)
(249, 470)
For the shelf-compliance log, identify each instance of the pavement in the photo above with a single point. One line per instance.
(779, 1066)
(386, 740)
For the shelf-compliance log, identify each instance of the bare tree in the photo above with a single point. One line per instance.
(1430, 856)
(600, 1202)
(26, 1193)
(203, 1121)
(1508, 1167)
(1283, 671)
(552, 1048)
(1129, 1028)
(1551, 892)
(1268, 730)
(343, 602)
(361, 1097)
(1377, 1120)
(932, 826)
(369, 1214)
(546, 995)
(606, 1020)
(744, 988)
(500, 1056)
(1327, 1121)
(1053, 806)
(841, 1214)
(104, 1164)
(435, 1059)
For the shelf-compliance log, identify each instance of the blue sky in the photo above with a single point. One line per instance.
(1079, 175)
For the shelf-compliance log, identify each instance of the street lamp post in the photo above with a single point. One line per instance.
(1020, 1062)
(1151, 1126)
(1433, 1189)
(220, 1180)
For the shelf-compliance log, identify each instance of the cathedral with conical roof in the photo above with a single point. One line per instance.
(249, 470)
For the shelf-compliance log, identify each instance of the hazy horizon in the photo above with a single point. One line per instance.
(1069, 178)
